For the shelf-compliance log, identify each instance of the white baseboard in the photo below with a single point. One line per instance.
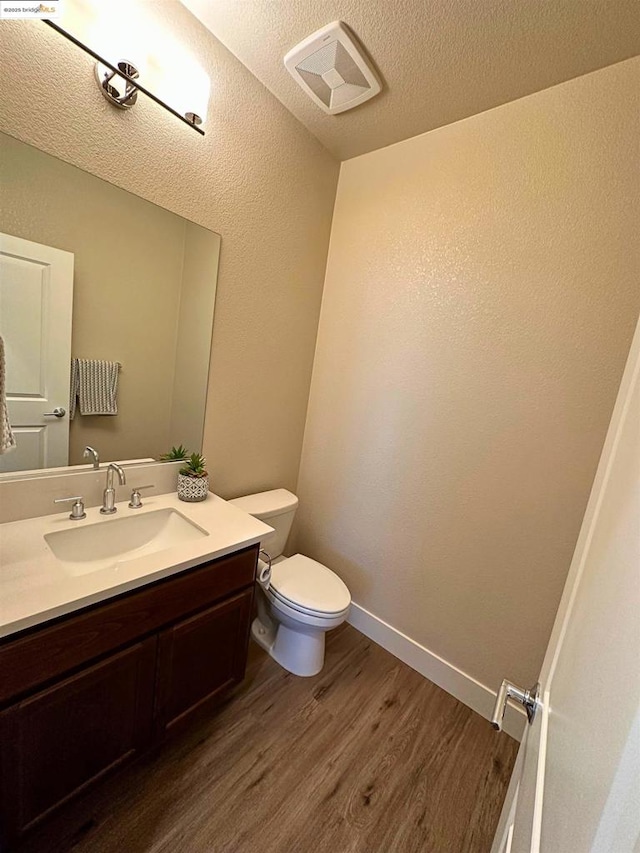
(466, 689)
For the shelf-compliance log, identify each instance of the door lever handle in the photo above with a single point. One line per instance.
(58, 412)
(530, 699)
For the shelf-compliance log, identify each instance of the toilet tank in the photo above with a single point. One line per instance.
(276, 508)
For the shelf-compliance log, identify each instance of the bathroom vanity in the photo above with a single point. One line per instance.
(118, 668)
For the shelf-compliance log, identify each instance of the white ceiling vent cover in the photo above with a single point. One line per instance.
(331, 69)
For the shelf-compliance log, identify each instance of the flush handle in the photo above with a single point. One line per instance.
(530, 699)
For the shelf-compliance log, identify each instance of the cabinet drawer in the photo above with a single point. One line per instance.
(59, 740)
(48, 652)
(200, 657)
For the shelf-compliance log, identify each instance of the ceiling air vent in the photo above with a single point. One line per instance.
(331, 69)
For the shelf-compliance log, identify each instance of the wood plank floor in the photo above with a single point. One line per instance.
(368, 756)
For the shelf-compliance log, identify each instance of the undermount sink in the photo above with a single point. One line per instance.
(95, 547)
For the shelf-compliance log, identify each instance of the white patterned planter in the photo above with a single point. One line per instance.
(192, 489)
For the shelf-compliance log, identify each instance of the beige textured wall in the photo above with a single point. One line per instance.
(127, 279)
(481, 294)
(258, 178)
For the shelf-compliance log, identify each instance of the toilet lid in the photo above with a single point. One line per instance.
(308, 584)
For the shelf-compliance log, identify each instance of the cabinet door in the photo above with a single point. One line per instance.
(59, 740)
(200, 657)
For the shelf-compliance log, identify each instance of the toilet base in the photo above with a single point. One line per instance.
(299, 651)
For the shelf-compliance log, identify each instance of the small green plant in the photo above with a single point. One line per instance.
(176, 454)
(195, 467)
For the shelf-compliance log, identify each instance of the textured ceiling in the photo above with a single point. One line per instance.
(440, 60)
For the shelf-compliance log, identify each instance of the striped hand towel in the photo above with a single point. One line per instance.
(94, 387)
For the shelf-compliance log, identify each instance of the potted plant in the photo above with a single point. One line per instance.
(176, 454)
(193, 479)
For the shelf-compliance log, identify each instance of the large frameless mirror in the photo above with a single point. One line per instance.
(99, 280)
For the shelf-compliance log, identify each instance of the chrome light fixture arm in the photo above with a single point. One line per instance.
(127, 73)
(132, 86)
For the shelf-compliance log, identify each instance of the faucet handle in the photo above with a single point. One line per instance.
(135, 502)
(77, 510)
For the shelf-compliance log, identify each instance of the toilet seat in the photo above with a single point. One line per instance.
(304, 614)
(309, 587)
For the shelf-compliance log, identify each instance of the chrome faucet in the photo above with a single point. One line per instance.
(109, 497)
(91, 451)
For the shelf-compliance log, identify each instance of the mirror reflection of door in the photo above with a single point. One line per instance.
(36, 298)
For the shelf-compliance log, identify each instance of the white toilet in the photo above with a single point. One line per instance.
(304, 599)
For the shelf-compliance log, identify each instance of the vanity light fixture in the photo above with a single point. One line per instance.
(117, 86)
(119, 83)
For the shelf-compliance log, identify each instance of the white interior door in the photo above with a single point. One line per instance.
(36, 296)
(576, 785)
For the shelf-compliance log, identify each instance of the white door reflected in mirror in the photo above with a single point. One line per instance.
(36, 300)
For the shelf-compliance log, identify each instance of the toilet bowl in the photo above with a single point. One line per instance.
(303, 602)
(304, 599)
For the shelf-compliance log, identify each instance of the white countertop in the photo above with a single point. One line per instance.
(35, 586)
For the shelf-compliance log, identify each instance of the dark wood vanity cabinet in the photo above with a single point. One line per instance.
(200, 657)
(82, 695)
(61, 739)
